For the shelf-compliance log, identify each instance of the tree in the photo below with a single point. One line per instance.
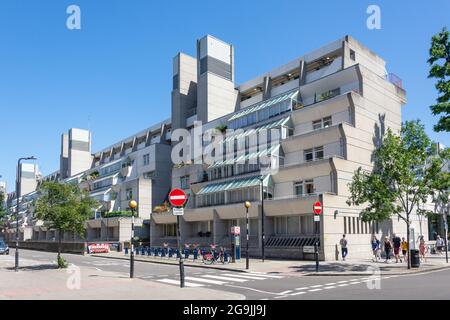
(2, 208)
(402, 178)
(65, 208)
(440, 69)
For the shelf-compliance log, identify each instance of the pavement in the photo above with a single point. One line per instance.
(350, 267)
(108, 278)
(43, 281)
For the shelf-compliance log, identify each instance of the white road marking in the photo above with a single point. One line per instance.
(330, 284)
(264, 275)
(244, 276)
(313, 290)
(286, 292)
(298, 293)
(317, 286)
(210, 281)
(355, 282)
(304, 288)
(329, 287)
(187, 284)
(251, 289)
(98, 269)
(343, 281)
(225, 278)
(342, 285)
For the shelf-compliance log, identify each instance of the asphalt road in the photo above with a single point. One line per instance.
(259, 286)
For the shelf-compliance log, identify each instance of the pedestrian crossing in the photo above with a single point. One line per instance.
(222, 279)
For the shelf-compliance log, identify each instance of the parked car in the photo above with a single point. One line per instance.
(4, 249)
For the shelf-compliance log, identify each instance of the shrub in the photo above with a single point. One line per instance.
(62, 263)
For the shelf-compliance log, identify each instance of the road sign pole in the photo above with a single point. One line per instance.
(181, 254)
(316, 245)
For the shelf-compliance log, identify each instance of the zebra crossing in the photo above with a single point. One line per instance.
(222, 279)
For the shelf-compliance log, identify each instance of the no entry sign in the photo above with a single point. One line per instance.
(317, 208)
(177, 197)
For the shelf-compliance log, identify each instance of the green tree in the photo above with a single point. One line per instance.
(440, 69)
(65, 208)
(403, 177)
(2, 209)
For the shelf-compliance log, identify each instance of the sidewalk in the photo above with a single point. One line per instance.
(300, 268)
(39, 281)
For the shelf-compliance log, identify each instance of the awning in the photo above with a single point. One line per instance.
(268, 151)
(267, 126)
(100, 193)
(234, 184)
(265, 104)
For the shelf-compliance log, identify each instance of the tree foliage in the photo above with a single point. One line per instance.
(440, 69)
(64, 207)
(2, 208)
(407, 171)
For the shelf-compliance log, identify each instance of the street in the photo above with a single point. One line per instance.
(268, 286)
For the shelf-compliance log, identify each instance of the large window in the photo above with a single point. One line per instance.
(313, 154)
(305, 187)
(184, 182)
(146, 159)
(322, 123)
(170, 230)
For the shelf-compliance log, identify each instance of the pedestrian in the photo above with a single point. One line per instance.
(375, 248)
(397, 244)
(439, 244)
(422, 249)
(344, 247)
(404, 246)
(387, 249)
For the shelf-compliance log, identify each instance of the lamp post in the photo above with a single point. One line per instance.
(16, 267)
(247, 206)
(133, 205)
(263, 218)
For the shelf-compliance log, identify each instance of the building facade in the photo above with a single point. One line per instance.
(290, 137)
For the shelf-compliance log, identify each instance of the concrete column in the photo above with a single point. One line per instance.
(103, 230)
(219, 229)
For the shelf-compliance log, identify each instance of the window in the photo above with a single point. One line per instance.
(184, 182)
(148, 175)
(352, 55)
(169, 230)
(322, 123)
(314, 154)
(318, 153)
(298, 188)
(327, 122)
(146, 159)
(309, 155)
(309, 186)
(317, 124)
(129, 194)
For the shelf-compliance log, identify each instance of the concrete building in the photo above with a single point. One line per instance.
(295, 134)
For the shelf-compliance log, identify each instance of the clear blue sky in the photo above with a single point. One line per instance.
(117, 70)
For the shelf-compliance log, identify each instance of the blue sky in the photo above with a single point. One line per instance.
(114, 75)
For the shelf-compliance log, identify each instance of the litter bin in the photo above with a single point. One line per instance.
(415, 258)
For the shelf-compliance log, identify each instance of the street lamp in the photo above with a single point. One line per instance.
(16, 268)
(133, 205)
(247, 206)
(262, 219)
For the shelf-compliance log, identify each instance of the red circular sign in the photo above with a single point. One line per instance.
(177, 197)
(317, 207)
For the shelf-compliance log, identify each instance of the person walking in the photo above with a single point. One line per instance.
(397, 244)
(404, 246)
(344, 247)
(422, 249)
(439, 244)
(375, 248)
(387, 249)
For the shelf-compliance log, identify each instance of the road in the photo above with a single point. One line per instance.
(268, 286)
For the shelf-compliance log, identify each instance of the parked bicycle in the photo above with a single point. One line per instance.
(215, 256)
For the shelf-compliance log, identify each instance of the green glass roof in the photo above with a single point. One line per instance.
(267, 126)
(265, 104)
(234, 184)
(245, 157)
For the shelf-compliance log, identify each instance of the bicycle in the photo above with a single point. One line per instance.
(214, 257)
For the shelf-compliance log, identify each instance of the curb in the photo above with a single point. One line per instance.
(169, 263)
(329, 274)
